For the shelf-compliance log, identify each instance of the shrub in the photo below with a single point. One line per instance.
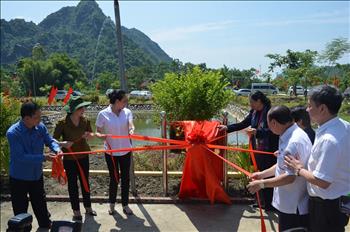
(92, 96)
(192, 95)
(10, 111)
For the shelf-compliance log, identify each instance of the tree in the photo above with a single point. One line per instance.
(191, 95)
(335, 50)
(107, 80)
(295, 65)
(58, 69)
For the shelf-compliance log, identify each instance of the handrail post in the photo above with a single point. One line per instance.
(164, 152)
(225, 178)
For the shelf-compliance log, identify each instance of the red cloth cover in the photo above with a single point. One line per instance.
(202, 171)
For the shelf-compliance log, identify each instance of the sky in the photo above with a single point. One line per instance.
(233, 33)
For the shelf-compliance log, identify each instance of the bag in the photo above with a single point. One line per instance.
(344, 204)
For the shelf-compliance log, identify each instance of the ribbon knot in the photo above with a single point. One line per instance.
(197, 137)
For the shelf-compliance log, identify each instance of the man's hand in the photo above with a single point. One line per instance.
(222, 128)
(292, 162)
(256, 176)
(49, 157)
(255, 186)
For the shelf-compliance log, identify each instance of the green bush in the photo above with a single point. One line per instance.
(10, 109)
(92, 96)
(192, 95)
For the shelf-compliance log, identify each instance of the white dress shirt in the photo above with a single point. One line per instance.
(115, 125)
(292, 197)
(330, 159)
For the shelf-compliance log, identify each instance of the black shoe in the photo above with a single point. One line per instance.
(255, 205)
(270, 209)
(77, 218)
(46, 226)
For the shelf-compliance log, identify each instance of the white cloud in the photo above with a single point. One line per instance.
(332, 17)
(181, 33)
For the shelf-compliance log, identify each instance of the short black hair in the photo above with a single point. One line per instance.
(281, 114)
(29, 109)
(116, 94)
(300, 113)
(329, 96)
(258, 95)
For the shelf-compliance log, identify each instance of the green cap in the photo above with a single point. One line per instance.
(75, 102)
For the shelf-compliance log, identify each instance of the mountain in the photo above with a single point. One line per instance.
(84, 33)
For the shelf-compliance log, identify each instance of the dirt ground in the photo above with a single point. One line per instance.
(145, 186)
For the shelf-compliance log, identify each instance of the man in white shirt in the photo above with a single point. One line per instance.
(290, 196)
(328, 169)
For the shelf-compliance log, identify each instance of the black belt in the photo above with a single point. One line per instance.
(319, 199)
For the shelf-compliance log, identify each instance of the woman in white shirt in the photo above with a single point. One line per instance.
(116, 119)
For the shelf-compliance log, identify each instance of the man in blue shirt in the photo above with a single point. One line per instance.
(27, 138)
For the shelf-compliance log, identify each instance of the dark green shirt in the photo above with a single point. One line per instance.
(66, 131)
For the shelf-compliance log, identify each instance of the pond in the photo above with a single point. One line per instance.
(145, 124)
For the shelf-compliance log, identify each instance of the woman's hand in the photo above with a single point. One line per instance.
(87, 135)
(222, 128)
(251, 131)
(99, 135)
(66, 144)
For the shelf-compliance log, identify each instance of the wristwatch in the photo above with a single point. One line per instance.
(261, 185)
(298, 172)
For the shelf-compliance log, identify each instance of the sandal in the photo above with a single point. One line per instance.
(111, 212)
(127, 210)
(91, 213)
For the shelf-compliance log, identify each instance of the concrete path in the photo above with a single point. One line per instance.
(159, 217)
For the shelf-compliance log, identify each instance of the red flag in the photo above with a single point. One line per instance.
(66, 98)
(52, 95)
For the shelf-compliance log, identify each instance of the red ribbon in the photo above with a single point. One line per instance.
(57, 171)
(193, 138)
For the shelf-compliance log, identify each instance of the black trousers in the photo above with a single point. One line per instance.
(264, 162)
(122, 163)
(20, 201)
(72, 171)
(325, 215)
(296, 222)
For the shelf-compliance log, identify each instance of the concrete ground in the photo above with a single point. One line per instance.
(159, 217)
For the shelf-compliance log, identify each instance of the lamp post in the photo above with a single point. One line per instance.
(120, 47)
(34, 91)
(33, 76)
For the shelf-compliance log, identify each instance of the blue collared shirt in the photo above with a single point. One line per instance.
(27, 150)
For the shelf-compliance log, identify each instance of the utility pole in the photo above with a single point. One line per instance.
(123, 84)
(120, 47)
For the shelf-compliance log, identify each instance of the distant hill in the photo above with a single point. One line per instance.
(76, 31)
